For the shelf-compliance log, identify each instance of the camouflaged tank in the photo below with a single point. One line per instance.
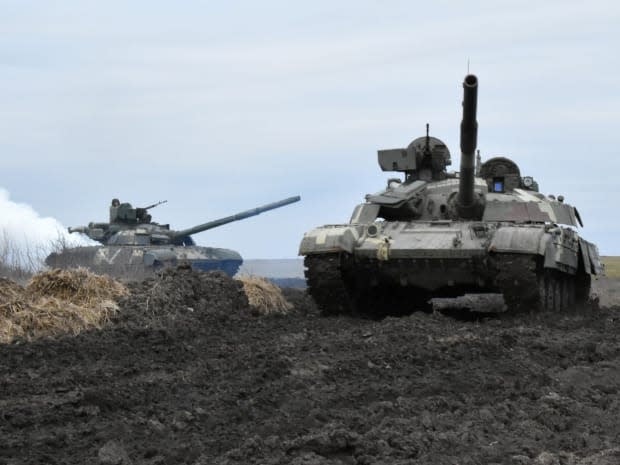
(132, 244)
(486, 229)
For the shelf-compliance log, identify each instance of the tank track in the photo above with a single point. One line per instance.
(527, 286)
(517, 280)
(332, 284)
(326, 284)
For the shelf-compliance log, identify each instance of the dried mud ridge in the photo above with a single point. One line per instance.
(186, 375)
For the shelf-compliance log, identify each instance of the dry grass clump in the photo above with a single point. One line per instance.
(10, 290)
(56, 302)
(264, 297)
(78, 286)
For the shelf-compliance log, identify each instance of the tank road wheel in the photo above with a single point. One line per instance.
(563, 292)
(554, 290)
(326, 284)
(517, 279)
(527, 286)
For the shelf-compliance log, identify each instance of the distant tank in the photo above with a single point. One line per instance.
(132, 244)
(485, 229)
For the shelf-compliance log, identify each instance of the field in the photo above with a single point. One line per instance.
(187, 373)
(612, 267)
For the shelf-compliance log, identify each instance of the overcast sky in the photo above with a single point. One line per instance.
(222, 106)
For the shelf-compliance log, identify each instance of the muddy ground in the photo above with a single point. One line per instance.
(187, 375)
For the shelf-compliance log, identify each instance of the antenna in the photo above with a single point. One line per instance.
(467, 65)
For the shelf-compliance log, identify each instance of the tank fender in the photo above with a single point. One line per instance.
(330, 239)
(591, 258)
(560, 256)
(519, 240)
(559, 248)
(533, 241)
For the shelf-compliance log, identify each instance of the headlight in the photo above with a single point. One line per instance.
(372, 230)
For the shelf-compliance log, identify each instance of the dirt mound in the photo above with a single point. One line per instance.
(182, 293)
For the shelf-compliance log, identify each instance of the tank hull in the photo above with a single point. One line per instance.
(137, 261)
(401, 265)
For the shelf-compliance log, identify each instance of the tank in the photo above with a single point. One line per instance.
(132, 244)
(433, 233)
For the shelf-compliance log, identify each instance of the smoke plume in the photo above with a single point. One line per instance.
(26, 237)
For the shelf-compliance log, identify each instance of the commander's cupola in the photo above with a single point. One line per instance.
(425, 159)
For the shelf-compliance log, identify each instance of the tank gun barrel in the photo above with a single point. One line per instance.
(238, 216)
(79, 229)
(469, 136)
